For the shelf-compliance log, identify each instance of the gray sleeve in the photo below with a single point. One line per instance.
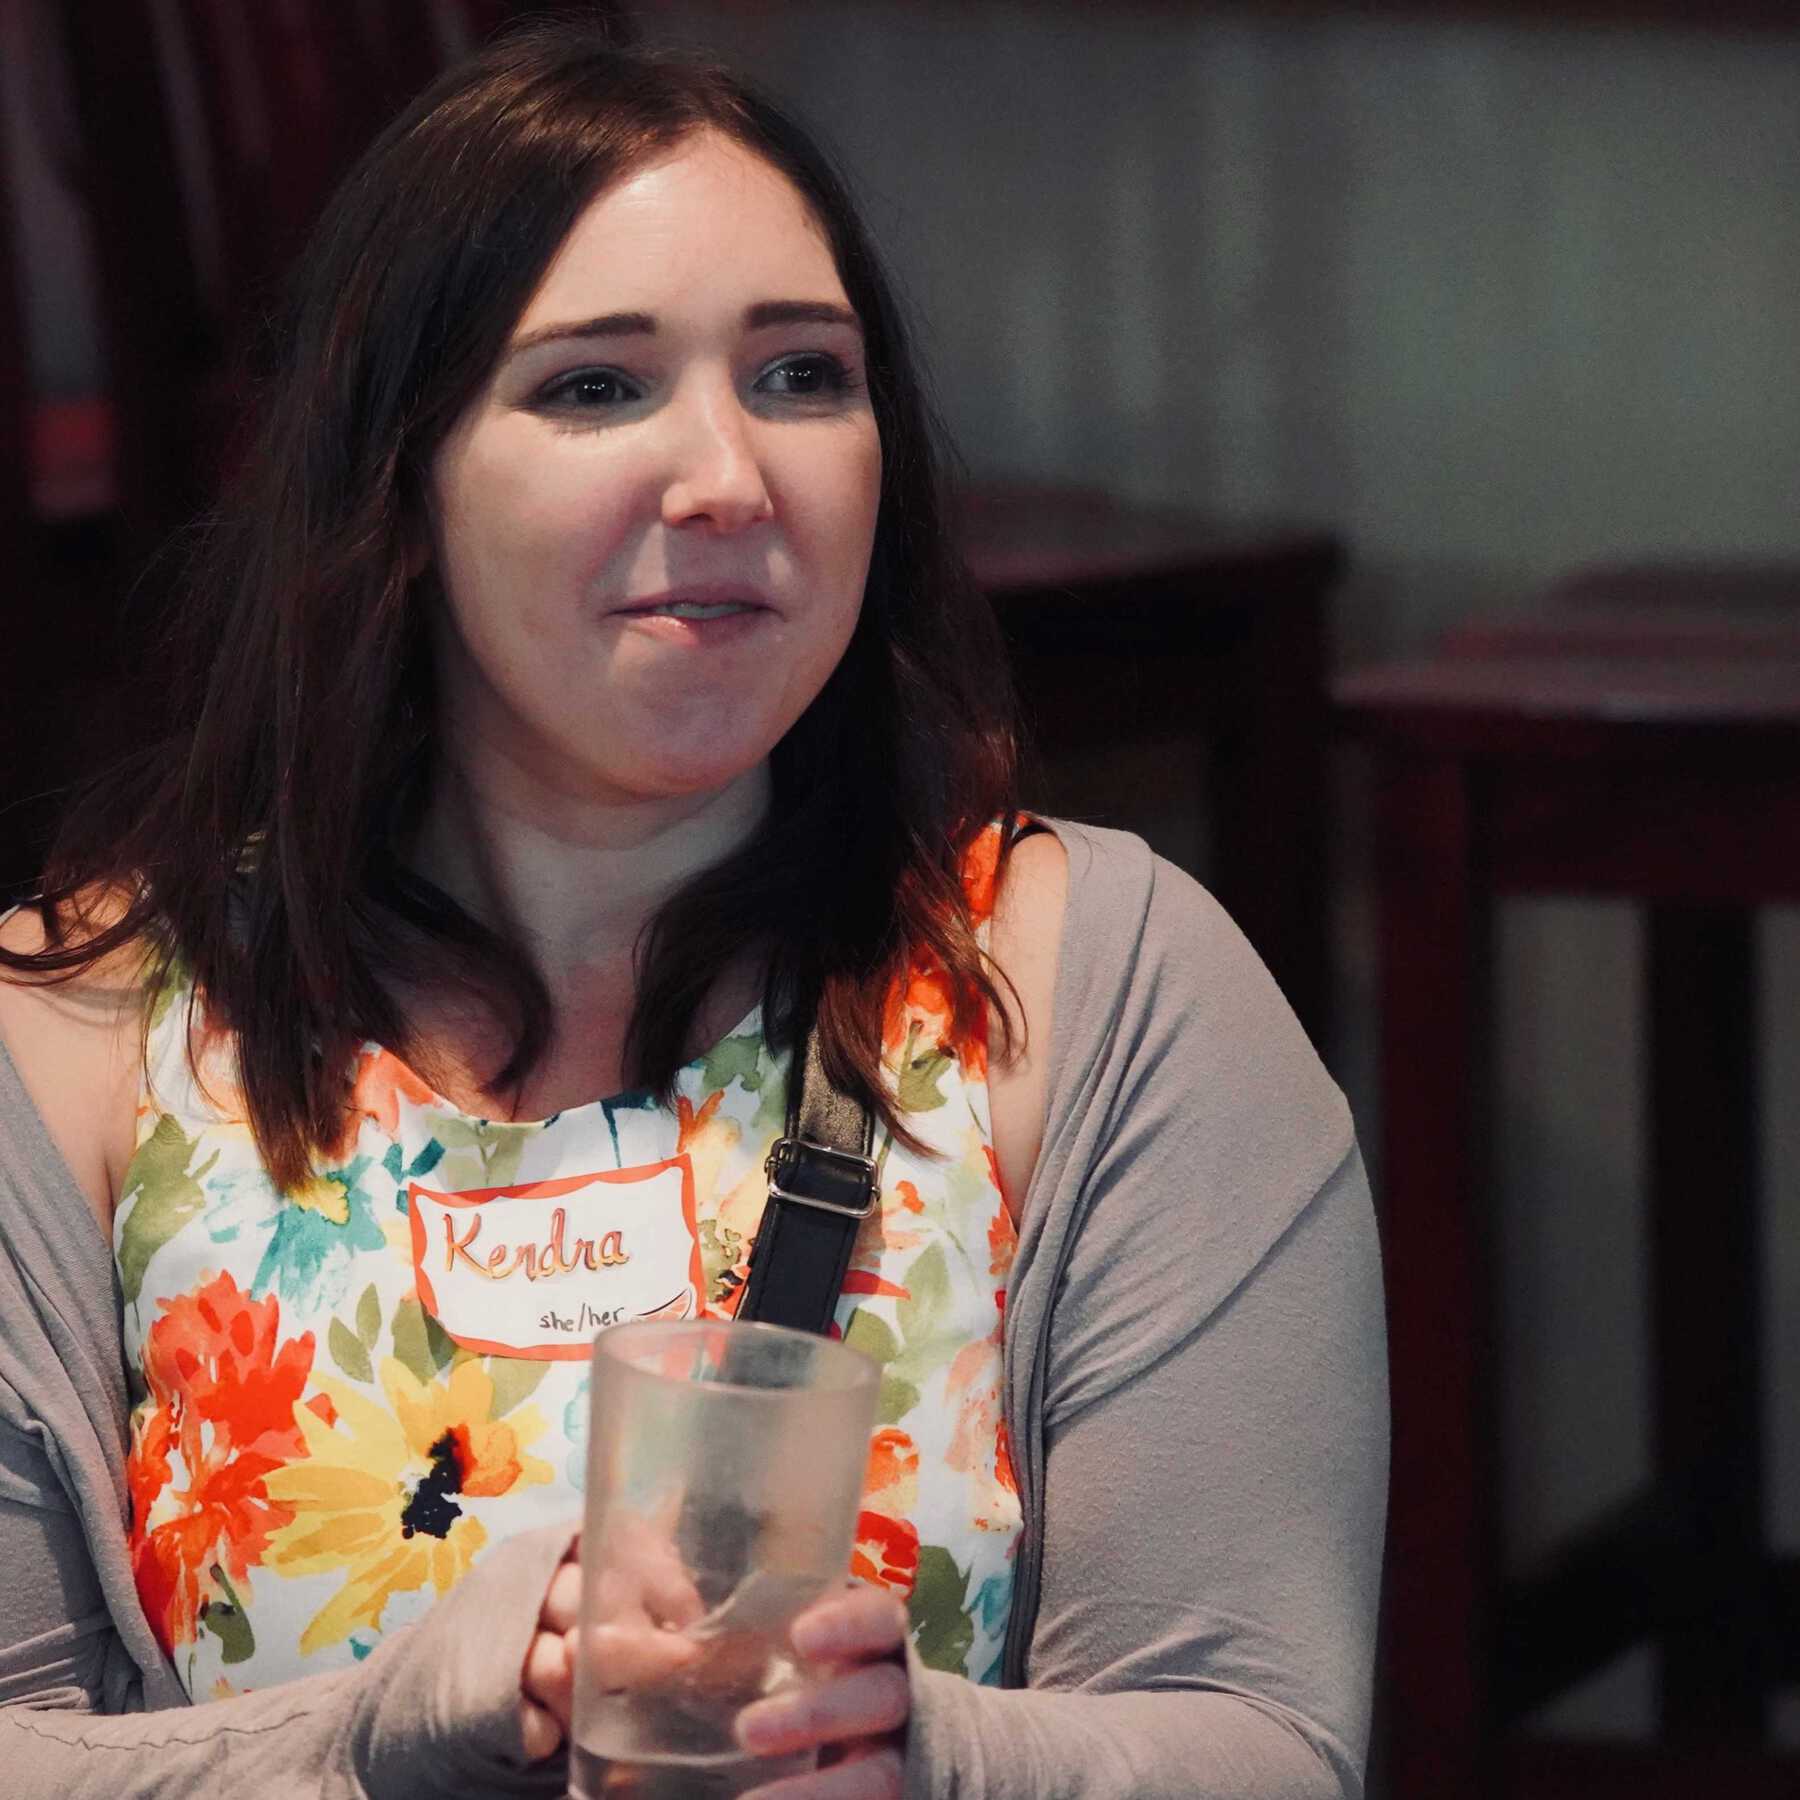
(1209, 1398)
(435, 1709)
(1212, 1533)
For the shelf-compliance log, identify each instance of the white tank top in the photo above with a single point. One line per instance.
(345, 1395)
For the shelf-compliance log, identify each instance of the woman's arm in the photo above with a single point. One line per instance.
(76, 1045)
(1210, 1390)
(435, 1709)
(1210, 1554)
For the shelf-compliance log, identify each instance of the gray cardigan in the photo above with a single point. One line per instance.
(1195, 1392)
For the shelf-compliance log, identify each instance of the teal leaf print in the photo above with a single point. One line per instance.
(575, 1429)
(942, 1631)
(736, 1059)
(318, 1232)
(401, 1173)
(421, 1345)
(637, 1100)
(368, 1317)
(349, 1352)
(993, 1600)
(163, 1195)
(514, 1377)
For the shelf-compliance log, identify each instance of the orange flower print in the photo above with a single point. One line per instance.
(893, 1474)
(981, 867)
(1003, 1463)
(690, 1124)
(1002, 1236)
(886, 1553)
(920, 1022)
(918, 1014)
(382, 1082)
(972, 1050)
(220, 1420)
(887, 1542)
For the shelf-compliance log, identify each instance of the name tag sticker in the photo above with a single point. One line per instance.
(537, 1270)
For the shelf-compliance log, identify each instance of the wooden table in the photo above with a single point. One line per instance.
(1653, 756)
(1124, 618)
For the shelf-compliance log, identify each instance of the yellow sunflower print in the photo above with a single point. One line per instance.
(379, 1493)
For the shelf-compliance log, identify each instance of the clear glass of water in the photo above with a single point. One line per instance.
(725, 1468)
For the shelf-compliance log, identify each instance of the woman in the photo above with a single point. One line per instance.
(585, 699)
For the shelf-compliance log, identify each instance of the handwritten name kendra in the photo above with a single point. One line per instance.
(536, 1262)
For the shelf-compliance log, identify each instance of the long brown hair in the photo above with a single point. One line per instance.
(256, 842)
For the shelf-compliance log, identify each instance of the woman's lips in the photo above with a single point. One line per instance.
(695, 618)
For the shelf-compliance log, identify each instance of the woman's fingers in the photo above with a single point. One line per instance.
(562, 1601)
(542, 1731)
(877, 1776)
(549, 1680)
(851, 1626)
(869, 1702)
(669, 1594)
(626, 1656)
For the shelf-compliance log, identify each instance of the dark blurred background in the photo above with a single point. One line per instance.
(1373, 320)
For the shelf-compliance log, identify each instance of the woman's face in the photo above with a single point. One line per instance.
(653, 525)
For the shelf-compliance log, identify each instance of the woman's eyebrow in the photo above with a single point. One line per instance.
(637, 324)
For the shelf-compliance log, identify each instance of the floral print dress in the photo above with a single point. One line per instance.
(344, 1395)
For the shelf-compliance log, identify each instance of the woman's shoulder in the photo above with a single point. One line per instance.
(1139, 928)
(1158, 986)
(1025, 941)
(75, 1044)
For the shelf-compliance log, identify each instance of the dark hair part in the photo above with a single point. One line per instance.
(256, 843)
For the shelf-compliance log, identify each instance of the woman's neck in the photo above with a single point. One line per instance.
(574, 884)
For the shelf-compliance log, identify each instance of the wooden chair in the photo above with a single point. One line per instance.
(1120, 617)
(213, 132)
(42, 488)
(1642, 741)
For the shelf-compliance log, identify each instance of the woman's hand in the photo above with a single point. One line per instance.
(547, 1685)
(853, 1709)
(639, 1645)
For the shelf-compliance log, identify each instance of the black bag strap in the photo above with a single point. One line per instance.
(822, 1185)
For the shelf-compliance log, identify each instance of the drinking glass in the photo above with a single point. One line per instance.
(725, 1468)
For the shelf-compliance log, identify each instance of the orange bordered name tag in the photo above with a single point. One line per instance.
(536, 1270)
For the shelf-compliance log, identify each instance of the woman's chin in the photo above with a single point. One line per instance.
(694, 777)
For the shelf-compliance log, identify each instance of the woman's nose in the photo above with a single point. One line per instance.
(716, 476)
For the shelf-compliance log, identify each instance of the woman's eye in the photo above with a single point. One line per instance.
(806, 377)
(590, 389)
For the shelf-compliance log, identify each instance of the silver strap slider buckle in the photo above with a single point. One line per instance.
(862, 1168)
